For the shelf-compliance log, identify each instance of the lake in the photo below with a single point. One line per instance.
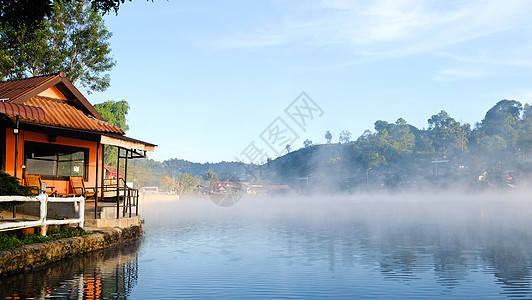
(375, 246)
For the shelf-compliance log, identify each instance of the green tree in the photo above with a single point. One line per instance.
(73, 39)
(307, 143)
(31, 13)
(390, 142)
(493, 143)
(525, 130)
(115, 113)
(211, 178)
(187, 182)
(288, 148)
(145, 172)
(448, 136)
(345, 137)
(503, 120)
(368, 151)
(169, 183)
(328, 136)
(404, 140)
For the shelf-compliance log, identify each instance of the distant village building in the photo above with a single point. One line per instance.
(440, 168)
(110, 175)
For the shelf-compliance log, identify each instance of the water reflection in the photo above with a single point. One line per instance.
(447, 247)
(412, 242)
(111, 273)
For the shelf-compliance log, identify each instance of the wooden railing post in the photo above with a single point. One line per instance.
(137, 204)
(129, 197)
(42, 212)
(96, 179)
(118, 184)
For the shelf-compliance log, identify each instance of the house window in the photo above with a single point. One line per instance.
(56, 161)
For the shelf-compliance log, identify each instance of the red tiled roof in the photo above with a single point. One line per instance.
(15, 89)
(74, 113)
(65, 115)
(21, 90)
(24, 111)
(112, 171)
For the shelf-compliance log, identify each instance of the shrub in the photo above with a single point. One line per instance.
(11, 240)
(9, 186)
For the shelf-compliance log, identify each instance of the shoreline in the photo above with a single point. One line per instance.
(32, 256)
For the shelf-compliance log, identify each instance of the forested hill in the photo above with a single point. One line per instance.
(147, 172)
(184, 166)
(399, 155)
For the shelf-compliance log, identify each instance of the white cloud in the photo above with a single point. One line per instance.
(384, 27)
(521, 95)
(517, 56)
(456, 74)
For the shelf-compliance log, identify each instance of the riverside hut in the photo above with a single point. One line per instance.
(48, 128)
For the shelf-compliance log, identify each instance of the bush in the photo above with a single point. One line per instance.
(9, 186)
(11, 240)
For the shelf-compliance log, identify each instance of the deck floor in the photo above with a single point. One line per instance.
(7, 216)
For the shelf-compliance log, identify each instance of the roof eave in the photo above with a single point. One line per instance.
(126, 142)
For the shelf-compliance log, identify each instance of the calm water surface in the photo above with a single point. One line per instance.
(437, 246)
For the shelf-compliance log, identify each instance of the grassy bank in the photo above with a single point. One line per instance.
(12, 240)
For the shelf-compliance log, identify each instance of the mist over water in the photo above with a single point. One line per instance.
(376, 246)
(380, 246)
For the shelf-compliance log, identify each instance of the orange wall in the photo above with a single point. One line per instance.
(61, 186)
(52, 92)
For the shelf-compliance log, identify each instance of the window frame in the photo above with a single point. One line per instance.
(28, 145)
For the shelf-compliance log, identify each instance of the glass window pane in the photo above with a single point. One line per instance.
(64, 156)
(58, 162)
(63, 168)
(77, 168)
(70, 168)
(39, 153)
(80, 155)
(43, 167)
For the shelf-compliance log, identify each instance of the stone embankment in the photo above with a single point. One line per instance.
(35, 255)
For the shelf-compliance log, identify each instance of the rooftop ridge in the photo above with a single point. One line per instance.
(38, 76)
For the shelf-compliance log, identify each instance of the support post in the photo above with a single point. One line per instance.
(137, 204)
(118, 184)
(103, 172)
(125, 185)
(96, 181)
(15, 132)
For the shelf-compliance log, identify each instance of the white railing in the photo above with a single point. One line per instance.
(43, 222)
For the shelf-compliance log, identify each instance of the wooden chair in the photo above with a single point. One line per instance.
(35, 182)
(77, 184)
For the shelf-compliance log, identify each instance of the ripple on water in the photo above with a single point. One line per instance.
(283, 248)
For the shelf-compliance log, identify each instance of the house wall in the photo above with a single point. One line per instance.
(3, 147)
(52, 92)
(62, 186)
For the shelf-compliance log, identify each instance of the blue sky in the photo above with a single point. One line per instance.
(205, 79)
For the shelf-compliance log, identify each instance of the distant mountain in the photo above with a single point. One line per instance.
(497, 152)
(224, 169)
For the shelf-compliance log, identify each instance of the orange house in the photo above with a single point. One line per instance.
(47, 127)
